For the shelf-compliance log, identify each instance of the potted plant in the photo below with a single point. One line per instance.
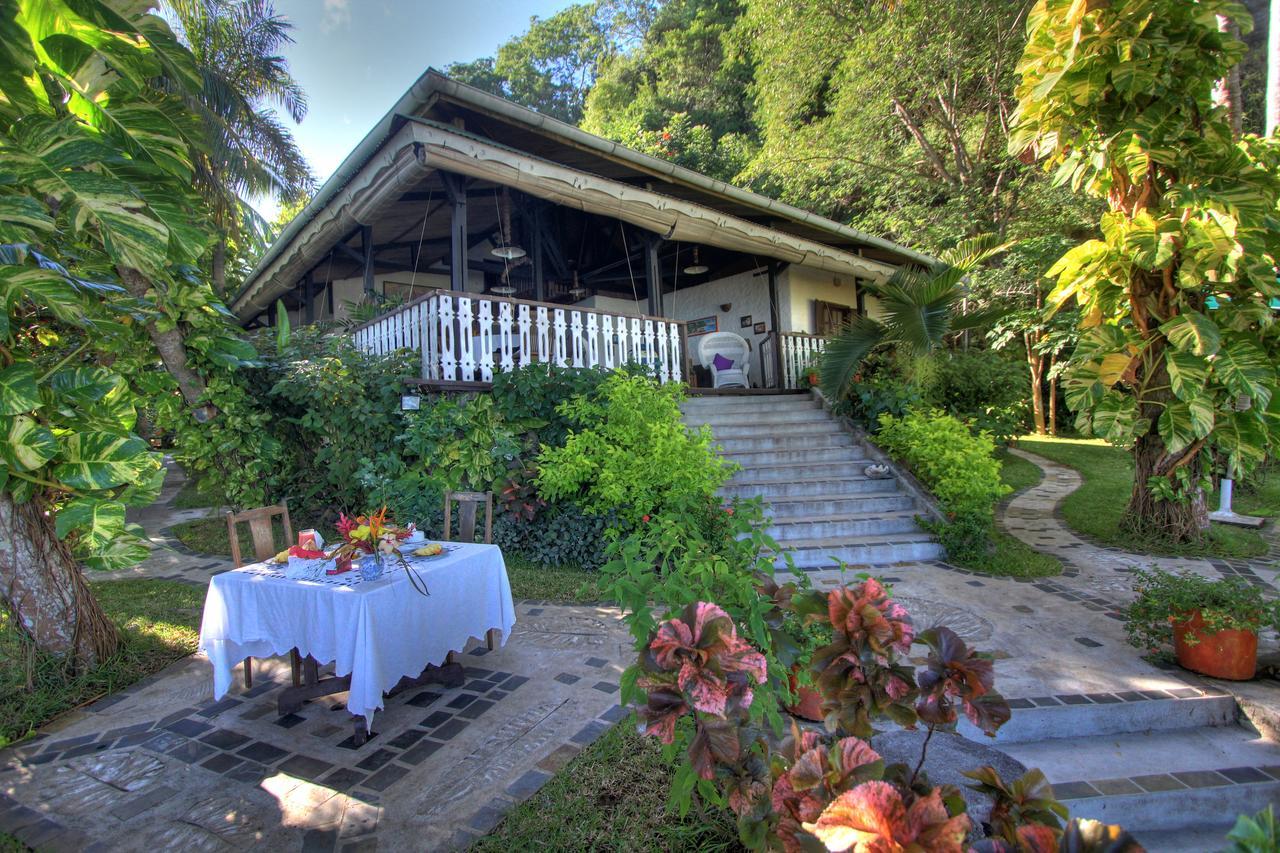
(1212, 624)
(808, 638)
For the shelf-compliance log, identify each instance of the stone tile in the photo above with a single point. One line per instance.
(420, 753)
(1115, 787)
(343, 779)
(567, 678)
(606, 687)
(499, 676)
(386, 777)
(224, 739)
(1244, 775)
(148, 799)
(250, 773)
(404, 740)
(1156, 694)
(1156, 782)
(376, 759)
(424, 699)
(257, 712)
(163, 742)
(439, 718)
(319, 840)
(488, 816)
(324, 731)
(304, 767)
(70, 743)
(1185, 692)
(1073, 699)
(191, 752)
(588, 733)
(188, 728)
(16, 817)
(123, 731)
(175, 716)
(350, 741)
(86, 749)
(1088, 643)
(462, 700)
(1074, 790)
(528, 784)
(1022, 704)
(1131, 696)
(449, 730)
(1201, 778)
(1104, 698)
(288, 721)
(222, 762)
(498, 695)
(616, 714)
(1044, 701)
(476, 708)
(514, 681)
(262, 752)
(595, 662)
(226, 704)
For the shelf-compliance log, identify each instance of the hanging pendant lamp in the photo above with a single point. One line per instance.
(506, 248)
(697, 267)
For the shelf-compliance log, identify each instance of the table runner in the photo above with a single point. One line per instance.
(378, 631)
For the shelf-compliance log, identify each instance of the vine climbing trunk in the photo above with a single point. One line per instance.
(168, 342)
(1148, 516)
(44, 589)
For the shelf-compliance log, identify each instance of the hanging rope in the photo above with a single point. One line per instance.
(626, 251)
(417, 256)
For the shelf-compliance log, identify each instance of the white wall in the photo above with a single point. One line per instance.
(747, 294)
(805, 284)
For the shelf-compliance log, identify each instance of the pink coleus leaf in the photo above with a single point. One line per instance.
(665, 706)
(871, 818)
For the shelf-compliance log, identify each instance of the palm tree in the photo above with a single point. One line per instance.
(919, 307)
(250, 153)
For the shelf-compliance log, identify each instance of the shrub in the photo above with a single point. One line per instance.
(465, 444)
(984, 388)
(529, 398)
(882, 393)
(958, 467)
(628, 452)
(1224, 604)
(561, 535)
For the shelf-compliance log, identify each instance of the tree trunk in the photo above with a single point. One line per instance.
(1226, 92)
(1273, 68)
(1053, 401)
(43, 586)
(172, 349)
(1035, 364)
(1146, 516)
(219, 268)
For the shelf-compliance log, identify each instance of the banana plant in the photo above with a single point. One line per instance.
(919, 308)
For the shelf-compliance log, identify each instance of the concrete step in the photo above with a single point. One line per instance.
(799, 471)
(765, 430)
(1170, 779)
(807, 506)
(844, 486)
(779, 440)
(828, 455)
(753, 401)
(885, 525)
(1112, 714)
(716, 420)
(1186, 840)
(877, 549)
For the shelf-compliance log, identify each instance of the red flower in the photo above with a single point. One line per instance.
(728, 510)
(645, 518)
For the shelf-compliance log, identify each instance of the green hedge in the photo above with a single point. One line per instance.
(960, 468)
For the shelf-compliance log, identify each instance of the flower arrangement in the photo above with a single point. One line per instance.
(374, 535)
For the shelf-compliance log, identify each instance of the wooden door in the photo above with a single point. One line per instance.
(830, 318)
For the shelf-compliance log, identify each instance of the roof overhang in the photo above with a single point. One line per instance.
(420, 146)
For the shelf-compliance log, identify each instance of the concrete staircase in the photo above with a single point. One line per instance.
(1175, 772)
(808, 471)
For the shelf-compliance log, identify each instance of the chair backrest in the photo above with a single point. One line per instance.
(468, 504)
(727, 344)
(264, 540)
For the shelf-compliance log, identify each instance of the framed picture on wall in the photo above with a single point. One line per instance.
(759, 329)
(702, 326)
(745, 321)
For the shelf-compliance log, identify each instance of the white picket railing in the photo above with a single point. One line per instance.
(467, 337)
(798, 351)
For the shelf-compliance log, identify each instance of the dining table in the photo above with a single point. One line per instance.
(380, 635)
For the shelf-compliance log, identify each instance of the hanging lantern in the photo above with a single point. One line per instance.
(697, 267)
(506, 248)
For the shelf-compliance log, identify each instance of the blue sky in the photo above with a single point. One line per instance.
(354, 58)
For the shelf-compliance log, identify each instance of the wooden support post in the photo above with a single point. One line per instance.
(366, 247)
(539, 274)
(456, 187)
(775, 316)
(308, 301)
(653, 275)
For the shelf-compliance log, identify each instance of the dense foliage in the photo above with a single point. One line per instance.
(960, 469)
(1178, 342)
(700, 684)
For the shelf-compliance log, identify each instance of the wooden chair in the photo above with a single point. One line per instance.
(261, 525)
(468, 507)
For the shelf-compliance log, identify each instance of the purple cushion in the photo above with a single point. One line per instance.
(722, 363)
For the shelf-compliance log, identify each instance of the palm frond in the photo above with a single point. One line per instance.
(972, 252)
(844, 353)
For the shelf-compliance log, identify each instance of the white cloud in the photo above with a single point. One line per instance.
(337, 13)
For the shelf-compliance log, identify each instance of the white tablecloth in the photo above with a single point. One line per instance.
(378, 631)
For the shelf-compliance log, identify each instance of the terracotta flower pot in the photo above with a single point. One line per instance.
(809, 704)
(1230, 654)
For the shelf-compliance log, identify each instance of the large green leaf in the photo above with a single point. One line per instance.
(27, 444)
(21, 217)
(46, 288)
(18, 390)
(1193, 332)
(1242, 436)
(121, 552)
(1115, 418)
(94, 398)
(1175, 427)
(1187, 373)
(94, 521)
(1244, 369)
(97, 460)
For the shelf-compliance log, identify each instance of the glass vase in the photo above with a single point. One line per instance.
(372, 566)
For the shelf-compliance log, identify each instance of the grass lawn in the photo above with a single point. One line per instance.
(160, 622)
(612, 796)
(1095, 508)
(1017, 472)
